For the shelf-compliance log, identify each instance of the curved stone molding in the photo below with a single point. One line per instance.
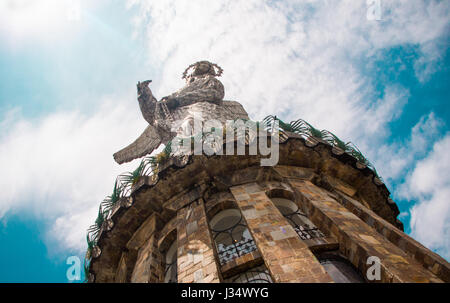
(360, 165)
(378, 182)
(337, 151)
(91, 278)
(128, 202)
(218, 202)
(167, 234)
(278, 189)
(96, 252)
(311, 142)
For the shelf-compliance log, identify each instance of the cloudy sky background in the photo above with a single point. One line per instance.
(68, 100)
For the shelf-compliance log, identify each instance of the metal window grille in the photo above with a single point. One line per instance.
(241, 242)
(255, 275)
(305, 231)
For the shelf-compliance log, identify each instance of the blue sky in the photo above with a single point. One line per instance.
(67, 100)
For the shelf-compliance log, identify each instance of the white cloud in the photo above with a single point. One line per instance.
(394, 160)
(60, 167)
(27, 22)
(29, 19)
(429, 184)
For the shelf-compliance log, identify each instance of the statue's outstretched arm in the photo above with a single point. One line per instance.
(147, 102)
(145, 144)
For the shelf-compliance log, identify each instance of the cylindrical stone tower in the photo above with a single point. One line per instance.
(319, 215)
(315, 217)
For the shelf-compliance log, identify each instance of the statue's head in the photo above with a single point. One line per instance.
(202, 68)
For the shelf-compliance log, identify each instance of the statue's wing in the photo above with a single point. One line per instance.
(236, 109)
(145, 144)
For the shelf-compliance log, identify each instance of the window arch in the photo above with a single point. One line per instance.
(170, 272)
(339, 268)
(231, 235)
(303, 226)
(258, 274)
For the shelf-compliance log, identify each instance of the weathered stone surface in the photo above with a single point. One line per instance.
(148, 267)
(153, 223)
(196, 261)
(168, 234)
(241, 264)
(430, 260)
(295, 172)
(358, 241)
(203, 177)
(285, 255)
(125, 267)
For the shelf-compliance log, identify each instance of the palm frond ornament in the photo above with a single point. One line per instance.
(110, 201)
(306, 130)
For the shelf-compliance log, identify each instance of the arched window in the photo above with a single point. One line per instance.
(302, 225)
(258, 274)
(340, 269)
(170, 274)
(231, 235)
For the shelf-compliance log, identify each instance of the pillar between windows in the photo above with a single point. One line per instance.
(125, 267)
(143, 247)
(196, 261)
(285, 255)
(148, 264)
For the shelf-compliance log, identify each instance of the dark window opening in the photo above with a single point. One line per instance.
(339, 268)
(258, 274)
(170, 273)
